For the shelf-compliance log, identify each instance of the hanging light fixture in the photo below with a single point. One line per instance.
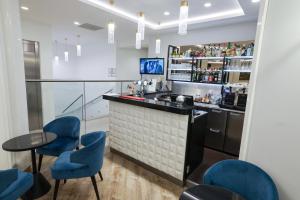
(66, 53)
(111, 33)
(138, 40)
(78, 46)
(157, 46)
(184, 14)
(141, 25)
(111, 28)
(56, 57)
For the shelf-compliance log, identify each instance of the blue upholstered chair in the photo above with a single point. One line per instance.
(14, 183)
(243, 178)
(67, 130)
(86, 162)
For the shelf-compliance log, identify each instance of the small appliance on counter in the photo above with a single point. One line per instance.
(234, 97)
(180, 99)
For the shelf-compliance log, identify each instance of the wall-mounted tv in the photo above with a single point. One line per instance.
(153, 66)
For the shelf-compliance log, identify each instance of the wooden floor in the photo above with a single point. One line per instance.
(123, 180)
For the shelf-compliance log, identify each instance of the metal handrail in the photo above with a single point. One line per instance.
(80, 81)
(80, 96)
(87, 103)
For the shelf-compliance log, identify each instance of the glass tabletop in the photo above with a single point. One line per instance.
(209, 192)
(29, 141)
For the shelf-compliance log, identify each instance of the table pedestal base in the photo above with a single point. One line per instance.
(40, 187)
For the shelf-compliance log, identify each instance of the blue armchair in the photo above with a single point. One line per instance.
(14, 183)
(67, 130)
(243, 178)
(85, 162)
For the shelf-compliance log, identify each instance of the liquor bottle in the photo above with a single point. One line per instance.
(244, 50)
(204, 51)
(216, 76)
(249, 50)
(228, 50)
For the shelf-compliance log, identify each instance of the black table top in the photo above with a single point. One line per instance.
(28, 141)
(209, 192)
(150, 103)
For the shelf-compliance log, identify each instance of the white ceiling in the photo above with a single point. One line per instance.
(61, 14)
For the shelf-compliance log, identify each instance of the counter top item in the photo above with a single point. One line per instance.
(172, 107)
(209, 192)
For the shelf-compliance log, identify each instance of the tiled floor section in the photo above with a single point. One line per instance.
(123, 180)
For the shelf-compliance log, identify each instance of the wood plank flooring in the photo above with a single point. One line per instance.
(123, 180)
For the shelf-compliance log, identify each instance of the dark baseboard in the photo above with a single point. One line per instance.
(151, 169)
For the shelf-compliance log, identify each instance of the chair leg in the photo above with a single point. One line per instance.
(56, 189)
(40, 162)
(100, 174)
(95, 187)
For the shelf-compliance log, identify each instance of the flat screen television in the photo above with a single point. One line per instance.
(153, 66)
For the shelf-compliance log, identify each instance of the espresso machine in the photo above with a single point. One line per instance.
(234, 97)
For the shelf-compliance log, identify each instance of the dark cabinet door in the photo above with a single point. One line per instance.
(216, 126)
(233, 137)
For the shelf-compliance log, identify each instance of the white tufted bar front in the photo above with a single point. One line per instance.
(153, 137)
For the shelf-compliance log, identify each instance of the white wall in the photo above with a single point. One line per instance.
(128, 63)
(271, 133)
(42, 33)
(62, 69)
(96, 58)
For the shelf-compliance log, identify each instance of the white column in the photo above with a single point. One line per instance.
(271, 134)
(14, 119)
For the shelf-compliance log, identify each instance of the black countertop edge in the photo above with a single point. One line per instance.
(150, 103)
(217, 107)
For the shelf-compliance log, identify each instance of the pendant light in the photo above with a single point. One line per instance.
(157, 46)
(78, 46)
(66, 53)
(111, 28)
(184, 14)
(111, 33)
(56, 57)
(138, 40)
(141, 25)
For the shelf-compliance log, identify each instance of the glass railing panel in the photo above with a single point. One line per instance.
(62, 99)
(51, 99)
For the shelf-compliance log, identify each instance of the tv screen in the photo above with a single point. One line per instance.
(152, 66)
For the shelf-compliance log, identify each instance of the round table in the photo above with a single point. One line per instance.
(209, 192)
(31, 142)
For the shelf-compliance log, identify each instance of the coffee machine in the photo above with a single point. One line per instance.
(234, 97)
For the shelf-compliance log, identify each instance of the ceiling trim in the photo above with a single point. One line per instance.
(156, 26)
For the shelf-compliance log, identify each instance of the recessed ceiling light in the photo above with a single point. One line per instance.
(207, 5)
(166, 13)
(76, 23)
(24, 8)
(255, 1)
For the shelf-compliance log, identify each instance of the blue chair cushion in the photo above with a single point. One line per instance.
(59, 146)
(17, 188)
(7, 177)
(63, 168)
(242, 177)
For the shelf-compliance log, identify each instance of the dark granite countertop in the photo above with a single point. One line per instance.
(150, 103)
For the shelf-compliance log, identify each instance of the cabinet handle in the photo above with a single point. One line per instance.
(214, 130)
(216, 111)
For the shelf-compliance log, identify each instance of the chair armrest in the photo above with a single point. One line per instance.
(7, 177)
